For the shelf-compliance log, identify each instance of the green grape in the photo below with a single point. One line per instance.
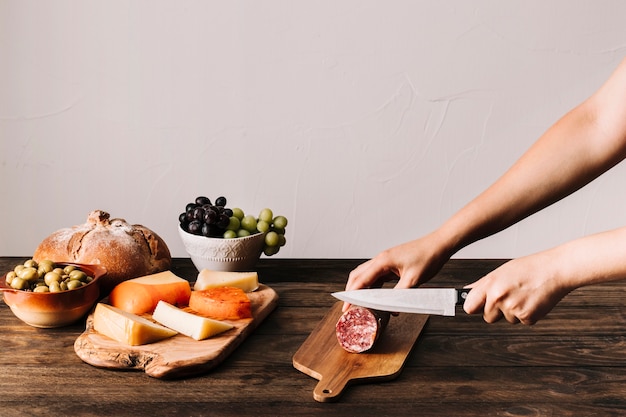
(229, 234)
(242, 233)
(271, 239)
(266, 215)
(238, 213)
(249, 223)
(262, 226)
(271, 250)
(281, 240)
(278, 230)
(233, 224)
(280, 222)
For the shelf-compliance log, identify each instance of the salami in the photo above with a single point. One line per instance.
(358, 328)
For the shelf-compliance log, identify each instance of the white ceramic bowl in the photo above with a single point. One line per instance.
(218, 254)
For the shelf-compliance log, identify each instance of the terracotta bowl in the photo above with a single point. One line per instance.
(218, 254)
(54, 309)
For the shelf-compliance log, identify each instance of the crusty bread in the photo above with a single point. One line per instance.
(126, 251)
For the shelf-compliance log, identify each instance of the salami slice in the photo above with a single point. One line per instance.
(358, 328)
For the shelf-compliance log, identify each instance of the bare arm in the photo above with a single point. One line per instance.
(526, 289)
(585, 143)
(582, 145)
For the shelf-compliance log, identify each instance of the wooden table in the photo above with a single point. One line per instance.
(572, 363)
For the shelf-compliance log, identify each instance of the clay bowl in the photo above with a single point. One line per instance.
(219, 254)
(54, 309)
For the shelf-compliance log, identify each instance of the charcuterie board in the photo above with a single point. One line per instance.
(322, 358)
(178, 356)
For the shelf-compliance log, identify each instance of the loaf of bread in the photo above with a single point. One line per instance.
(126, 251)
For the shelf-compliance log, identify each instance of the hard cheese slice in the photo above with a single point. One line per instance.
(141, 295)
(189, 324)
(126, 327)
(247, 281)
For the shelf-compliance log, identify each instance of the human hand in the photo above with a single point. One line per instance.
(522, 290)
(411, 263)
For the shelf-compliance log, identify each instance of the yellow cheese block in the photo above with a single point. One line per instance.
(141, 295)
(247, 281)
(189, 324)
(126, 327)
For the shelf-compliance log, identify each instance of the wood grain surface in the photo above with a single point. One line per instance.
(178, 356)
(322, 358)
(572, 363)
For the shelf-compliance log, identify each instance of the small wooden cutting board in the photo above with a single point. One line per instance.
(178, 356)
(322, 358)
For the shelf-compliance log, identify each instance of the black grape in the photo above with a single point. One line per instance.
(223, 221)
(210, 216)
(198, 214)
(202, 200)
(195, 227)
(220, 201)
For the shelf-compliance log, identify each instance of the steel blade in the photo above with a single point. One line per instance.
(439, 301)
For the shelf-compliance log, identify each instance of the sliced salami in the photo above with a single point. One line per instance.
(359, 328)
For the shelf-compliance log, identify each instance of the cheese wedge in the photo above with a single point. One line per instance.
(141, 295)
(247, 281)
(222, 303)
(189, 324)
(127, 328)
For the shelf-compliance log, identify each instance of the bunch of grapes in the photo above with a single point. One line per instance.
(204, 218)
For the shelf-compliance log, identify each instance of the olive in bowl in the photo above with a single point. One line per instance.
(61, 303)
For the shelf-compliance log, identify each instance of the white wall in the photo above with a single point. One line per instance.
(366, 123)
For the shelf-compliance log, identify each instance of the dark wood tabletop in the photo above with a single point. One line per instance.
(572, 363)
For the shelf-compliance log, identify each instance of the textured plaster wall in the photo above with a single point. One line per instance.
(366, 123)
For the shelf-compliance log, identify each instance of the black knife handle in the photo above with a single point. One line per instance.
(462, 295)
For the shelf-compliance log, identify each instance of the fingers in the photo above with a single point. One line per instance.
(369, 274)
(476, 303)
(483, 299)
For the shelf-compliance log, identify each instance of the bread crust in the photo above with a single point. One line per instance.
(126, 251)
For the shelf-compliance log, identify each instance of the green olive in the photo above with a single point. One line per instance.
(73, 284)
(30, 264)
(45, 268)
(46, 276)
(10, 276)
(78, 275)
(51, 277)
(47, 263)
(28, 273)
(19, 283)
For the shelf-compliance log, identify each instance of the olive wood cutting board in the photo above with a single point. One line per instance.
(180, 355)
(322, 358)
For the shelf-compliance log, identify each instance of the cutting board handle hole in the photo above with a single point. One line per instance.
(327, 391)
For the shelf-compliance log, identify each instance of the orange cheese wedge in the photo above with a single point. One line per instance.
(141, 295)
(222, 303)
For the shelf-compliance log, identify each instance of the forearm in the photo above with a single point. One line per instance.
(590, 260)
(585, 143)
(525, 289)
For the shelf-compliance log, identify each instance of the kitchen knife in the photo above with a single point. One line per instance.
(440, 301)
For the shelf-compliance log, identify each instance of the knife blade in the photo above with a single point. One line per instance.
(439, 301)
